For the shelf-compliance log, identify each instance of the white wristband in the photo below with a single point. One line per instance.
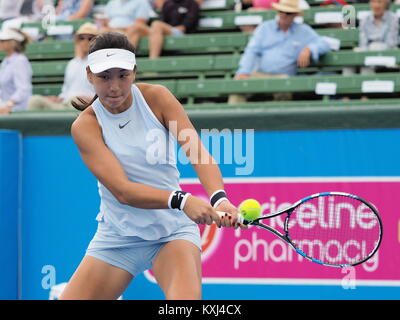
(177, 199)
(217, 197)
(184, 200)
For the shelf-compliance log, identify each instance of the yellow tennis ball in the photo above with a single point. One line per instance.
(250, 209)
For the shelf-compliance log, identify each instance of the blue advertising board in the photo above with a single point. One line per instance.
(10, 142)
(60, 203)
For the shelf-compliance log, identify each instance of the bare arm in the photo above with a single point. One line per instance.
(141, 21)
(174, 118)
(83, 11)
(106, 167)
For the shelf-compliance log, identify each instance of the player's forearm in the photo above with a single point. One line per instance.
(210, 177)
(143, 196)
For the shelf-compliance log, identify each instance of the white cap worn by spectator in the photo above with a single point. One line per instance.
(11, 34)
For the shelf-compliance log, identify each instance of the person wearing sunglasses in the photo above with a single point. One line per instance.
(75, 81)
(278, 47)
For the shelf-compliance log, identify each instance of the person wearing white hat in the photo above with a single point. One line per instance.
(279, 46)
(15, 72)
(145, 219)
(75, 80)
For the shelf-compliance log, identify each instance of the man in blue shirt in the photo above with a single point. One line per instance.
(279, 46)
(123, 14)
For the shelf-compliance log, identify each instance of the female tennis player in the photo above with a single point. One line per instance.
(145, 219)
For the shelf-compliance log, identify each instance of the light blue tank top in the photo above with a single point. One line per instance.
(146, 151)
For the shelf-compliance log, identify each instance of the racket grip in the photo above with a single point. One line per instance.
(240, 217)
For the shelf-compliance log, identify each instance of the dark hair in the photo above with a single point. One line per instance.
(105, 40)
(20, 46)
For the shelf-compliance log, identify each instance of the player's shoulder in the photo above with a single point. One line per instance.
(86, 120)
(160, 100)
(150, 87)
(153, 92)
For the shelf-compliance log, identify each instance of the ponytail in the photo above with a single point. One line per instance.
(82, 104)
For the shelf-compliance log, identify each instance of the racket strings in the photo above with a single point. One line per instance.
(334, 229)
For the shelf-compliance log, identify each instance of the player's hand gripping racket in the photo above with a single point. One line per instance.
(331, 228)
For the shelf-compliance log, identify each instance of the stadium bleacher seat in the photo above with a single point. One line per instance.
(315, 16)
(309, 104)
(201, 65)
(382, 82)
(222, 65)
(191, 89)
(195, 43)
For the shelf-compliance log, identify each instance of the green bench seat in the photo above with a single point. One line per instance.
(315, 16)
(223, 87)
(195, 43)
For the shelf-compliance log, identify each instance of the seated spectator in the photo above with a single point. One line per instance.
(279, 46)
(29, 11)
(332, 3)
(35, 9)
(10, 9)
(75, 80)
(379, 30)
(27, 7)
(68, 10)
(263, 5)
(177, 17)
(157, 4)
(15, 71)
(123, 14)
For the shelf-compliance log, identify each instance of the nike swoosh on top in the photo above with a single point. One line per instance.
(123, 125)
(110, 54)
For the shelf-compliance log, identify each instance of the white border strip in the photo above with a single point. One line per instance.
(290, 281)
(299, 179)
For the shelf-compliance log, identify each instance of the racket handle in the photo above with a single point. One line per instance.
(240, 217)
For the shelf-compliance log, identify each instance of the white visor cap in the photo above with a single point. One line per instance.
(10, 34)
(105, 59)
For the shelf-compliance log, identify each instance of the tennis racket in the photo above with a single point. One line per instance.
(332, 228)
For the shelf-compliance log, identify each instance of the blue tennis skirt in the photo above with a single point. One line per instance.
(131, 253)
